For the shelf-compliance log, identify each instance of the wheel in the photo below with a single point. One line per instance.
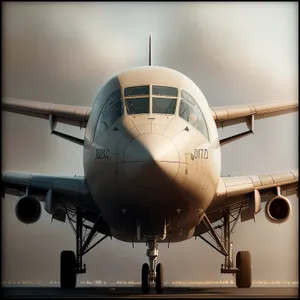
(145, 279)
(159, 282)
(244, 273)
(67, 269)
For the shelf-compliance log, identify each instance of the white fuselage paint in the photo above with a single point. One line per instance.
(151, 168)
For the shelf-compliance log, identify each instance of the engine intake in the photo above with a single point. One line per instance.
(278, 209)
(28, 210)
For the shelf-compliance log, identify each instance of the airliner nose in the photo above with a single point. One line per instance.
(152, 159)
(151, 147)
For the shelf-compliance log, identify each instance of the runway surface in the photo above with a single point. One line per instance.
(132, 292)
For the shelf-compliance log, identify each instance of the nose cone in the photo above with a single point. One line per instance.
(151, 159)
(151, 147)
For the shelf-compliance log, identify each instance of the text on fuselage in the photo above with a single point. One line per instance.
(200, 154)
(102, 154)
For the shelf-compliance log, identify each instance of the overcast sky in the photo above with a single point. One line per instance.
(64, 52)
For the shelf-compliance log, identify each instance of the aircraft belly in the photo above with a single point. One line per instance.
(124, 200)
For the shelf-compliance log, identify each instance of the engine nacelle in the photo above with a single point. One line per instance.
(278, 209)
(28, 210)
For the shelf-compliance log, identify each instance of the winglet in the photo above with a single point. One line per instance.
(150, 49)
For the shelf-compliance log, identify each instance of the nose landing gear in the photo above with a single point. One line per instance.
(149, 272)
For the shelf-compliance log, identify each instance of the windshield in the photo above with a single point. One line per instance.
(111, 111)
(190, 111)
(164, 105)
(137, 106)
(164, 99)
(137, 99)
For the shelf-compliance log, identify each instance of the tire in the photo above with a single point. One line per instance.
(145, 279)
(159, 282)
(244, 273)
(67, 269)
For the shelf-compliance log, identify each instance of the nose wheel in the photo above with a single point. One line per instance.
(145, 279)
(159, 282)
(149, 272)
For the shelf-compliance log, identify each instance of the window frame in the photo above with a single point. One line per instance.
(134, 97)
(104, 107)
(197, 105)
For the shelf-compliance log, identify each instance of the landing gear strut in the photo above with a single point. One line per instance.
(243, 269)
(149, 272)
(71, 264)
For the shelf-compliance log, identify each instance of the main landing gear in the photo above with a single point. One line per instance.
(243, 269)
(149, 272)
(71, 263)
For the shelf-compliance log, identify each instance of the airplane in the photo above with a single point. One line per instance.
(152, 172)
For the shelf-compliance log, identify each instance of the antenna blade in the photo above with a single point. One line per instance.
(150, 49)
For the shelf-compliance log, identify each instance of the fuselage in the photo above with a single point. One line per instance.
(151, 154)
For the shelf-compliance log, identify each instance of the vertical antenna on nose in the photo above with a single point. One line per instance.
(150, 49)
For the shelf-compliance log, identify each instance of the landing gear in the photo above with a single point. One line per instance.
(145, 279)
(243, 274)
(71, 264)
(159, 282)
(149, 272)
(67, 269)
(243, 270)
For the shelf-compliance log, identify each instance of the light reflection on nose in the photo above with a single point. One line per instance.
(151, 147)
(151, 160)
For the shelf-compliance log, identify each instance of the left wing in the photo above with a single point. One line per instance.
(236, 193)
(231, 115)
(226, 113)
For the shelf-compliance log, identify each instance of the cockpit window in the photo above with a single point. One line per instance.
(137, 106)
(137, 99)
(164, 105)
(164, 99)
(111, 111)
(136, 91)
(190, 111)
(164, 91)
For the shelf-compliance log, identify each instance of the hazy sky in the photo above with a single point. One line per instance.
(64, 52)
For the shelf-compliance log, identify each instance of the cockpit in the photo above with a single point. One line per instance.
(151, 99)
(137, 100)
(163, 100)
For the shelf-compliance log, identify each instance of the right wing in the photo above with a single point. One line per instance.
(67, 114)
(61, 195)
(70, 190)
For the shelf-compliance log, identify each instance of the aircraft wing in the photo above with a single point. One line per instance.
(67, 114)
(236, 192)
(232, 115)
(226, 113)
(72, 191)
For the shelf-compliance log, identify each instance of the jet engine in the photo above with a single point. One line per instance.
(278, 209)
(28, 210)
